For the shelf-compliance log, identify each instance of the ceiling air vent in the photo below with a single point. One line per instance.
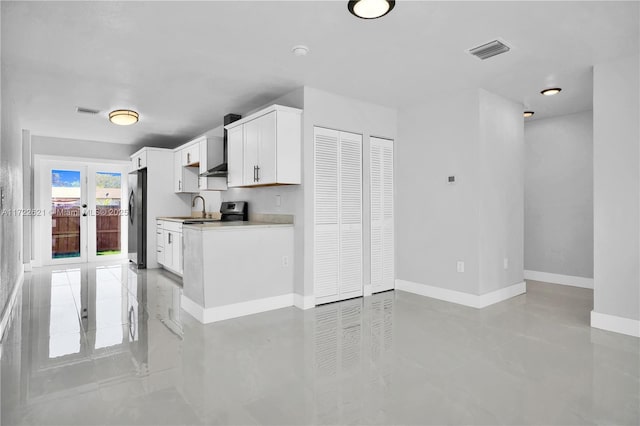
(83, 110)
(490, 49)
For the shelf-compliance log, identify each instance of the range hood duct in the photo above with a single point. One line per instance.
(221, 169)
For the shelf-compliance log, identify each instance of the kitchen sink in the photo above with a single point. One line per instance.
(195, 221)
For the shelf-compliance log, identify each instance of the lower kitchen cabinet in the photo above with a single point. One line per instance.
(169, 248)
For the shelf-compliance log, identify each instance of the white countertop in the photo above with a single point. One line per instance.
(212, 226)
(181, 219)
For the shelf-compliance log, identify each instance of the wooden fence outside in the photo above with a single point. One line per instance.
(66, 230)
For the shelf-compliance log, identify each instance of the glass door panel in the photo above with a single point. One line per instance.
(66, 214)
(108, 198)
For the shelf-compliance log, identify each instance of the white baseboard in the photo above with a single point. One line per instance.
(221, 313)
(7, 313)
(559, 279)
(461, 298)
(615, 323)
(303, 302)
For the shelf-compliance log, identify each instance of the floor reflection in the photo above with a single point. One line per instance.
(110, 345)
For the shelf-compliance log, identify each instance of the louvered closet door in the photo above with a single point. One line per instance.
(350, 215)
(382, 232)
(326, 228)
(338, 215)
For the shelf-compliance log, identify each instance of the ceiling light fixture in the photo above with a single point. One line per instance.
(123, 117)
(528, 114)
(552, 91)
(300, 50)
(370, 9)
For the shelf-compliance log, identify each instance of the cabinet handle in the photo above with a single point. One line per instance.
(254, 173)
(169, 238)
(257, 173)
(188, 158)
(139, 162)
(179, 185)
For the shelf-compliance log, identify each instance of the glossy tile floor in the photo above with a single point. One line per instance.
(107, 345)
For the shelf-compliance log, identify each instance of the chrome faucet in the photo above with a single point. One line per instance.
(193, 204)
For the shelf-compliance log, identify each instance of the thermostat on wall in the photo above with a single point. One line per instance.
(451, 179)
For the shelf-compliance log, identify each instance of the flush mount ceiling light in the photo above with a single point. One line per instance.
(370, 9)
(300, 50)
(552, 91)
(123, 117)
(528, 114)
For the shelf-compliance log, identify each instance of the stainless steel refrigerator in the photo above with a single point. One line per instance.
(138, 218)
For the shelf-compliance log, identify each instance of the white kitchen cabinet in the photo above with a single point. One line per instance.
(264, 148)
(139, 160)
(191, 154)
(337, 246)
(235, 160)
(160, 242)
(185, 178)
(382, 229)
(171, 244)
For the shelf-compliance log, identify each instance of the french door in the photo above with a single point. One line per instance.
(82, 211)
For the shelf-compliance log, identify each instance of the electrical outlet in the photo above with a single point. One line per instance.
(506, 263)
(285, 261)
(278, 201)
(460, 266)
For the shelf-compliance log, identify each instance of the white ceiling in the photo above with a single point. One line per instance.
(183, 65)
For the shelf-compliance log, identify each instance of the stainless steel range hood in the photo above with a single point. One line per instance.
(221, 169)
(218, 171)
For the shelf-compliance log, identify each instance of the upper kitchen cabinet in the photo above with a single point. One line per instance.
(185, 179)
(264, 148)
(139, 160)
(191, 153)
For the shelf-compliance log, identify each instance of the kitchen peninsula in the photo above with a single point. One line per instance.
(236, 268)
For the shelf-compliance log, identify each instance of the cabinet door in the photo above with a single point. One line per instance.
(235, 162)
(177, 252)
(382, 230)
(191, 155)
(160, 242)
(251, 142)
(169, 242)
(202, 181)
(178, 183)
(266, 172)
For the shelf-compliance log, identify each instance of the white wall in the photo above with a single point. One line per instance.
(616, 182)
(478, 138)
(501, 179)
(11, 179)
(437, 222)
(46, 145)
(559, 195)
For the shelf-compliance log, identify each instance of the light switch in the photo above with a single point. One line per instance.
(460, 266)
(278, 201)
(506, 263)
